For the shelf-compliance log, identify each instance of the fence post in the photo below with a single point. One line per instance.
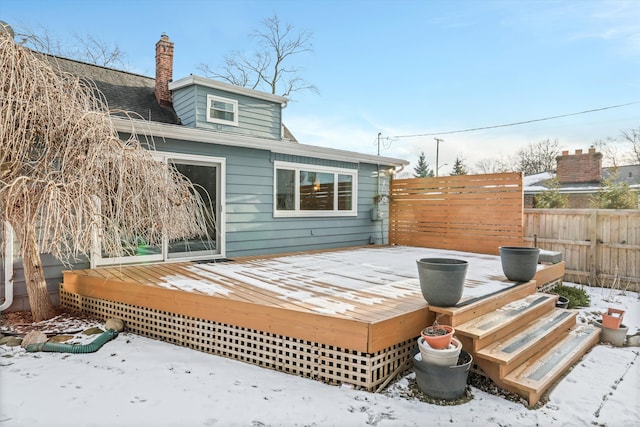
(593, 258)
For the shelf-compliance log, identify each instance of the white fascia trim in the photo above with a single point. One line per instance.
(202, 81)
(162, 130)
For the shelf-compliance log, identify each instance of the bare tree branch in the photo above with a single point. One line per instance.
(41, 40)
(87, 49)
(270, 66)
(498, 165)
(95, 51)
(538, 157)
(609, 151)
(632, 136)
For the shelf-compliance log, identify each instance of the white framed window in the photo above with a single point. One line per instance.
(308, 190)
(222, 110)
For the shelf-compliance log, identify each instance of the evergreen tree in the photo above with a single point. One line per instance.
(459, 168)
(422, 168)
(551, 198)
(615, 194)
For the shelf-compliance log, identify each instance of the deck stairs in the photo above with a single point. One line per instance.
(519, 339)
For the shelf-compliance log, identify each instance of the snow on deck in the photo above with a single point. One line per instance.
(338, 281)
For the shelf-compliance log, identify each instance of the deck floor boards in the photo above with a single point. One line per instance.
(352, 288)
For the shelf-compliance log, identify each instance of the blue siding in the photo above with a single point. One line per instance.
(256, 117)
(251, 227)
(52, 273)
(184, 103)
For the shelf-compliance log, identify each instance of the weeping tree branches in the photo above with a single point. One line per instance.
(64, 170)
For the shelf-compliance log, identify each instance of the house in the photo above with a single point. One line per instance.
(269, 193)
(580, 176)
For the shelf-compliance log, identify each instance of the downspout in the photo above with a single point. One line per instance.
(8, 267)
(57, 347)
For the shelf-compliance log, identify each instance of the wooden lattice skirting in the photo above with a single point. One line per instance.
(330, 364)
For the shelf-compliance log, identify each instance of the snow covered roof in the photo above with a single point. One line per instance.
(536, 183)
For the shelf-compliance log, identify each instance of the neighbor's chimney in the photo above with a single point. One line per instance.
(579, 167)
(164, 70)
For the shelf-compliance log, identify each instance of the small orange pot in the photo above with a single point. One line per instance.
(438, 337)
(612, 319)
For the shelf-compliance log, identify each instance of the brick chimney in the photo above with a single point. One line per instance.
(164, 70)
(579, 167)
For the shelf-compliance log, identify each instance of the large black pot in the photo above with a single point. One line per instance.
(442, 280)
(442, 382)
(519, 263)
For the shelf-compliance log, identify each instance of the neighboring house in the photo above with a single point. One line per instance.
(580, 176)
(270, 194)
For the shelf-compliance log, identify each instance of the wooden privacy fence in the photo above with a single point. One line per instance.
(471, 213)
(600, 246)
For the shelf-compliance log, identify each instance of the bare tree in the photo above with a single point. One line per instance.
(622, 150)
(538, 157)
(270, 65)
(65, 173)
(609, 149)
(499, 165)
(86, 48)
(94, 51)
(41, 40)
(632, 136)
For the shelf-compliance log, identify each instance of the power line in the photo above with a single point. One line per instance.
(518, 123)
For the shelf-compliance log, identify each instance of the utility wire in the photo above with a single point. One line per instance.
(518, 123)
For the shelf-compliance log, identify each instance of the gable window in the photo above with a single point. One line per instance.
(222, 110)
(307, 190)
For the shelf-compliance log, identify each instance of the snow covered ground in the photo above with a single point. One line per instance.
(135, 381)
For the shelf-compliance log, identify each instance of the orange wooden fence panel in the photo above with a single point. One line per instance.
(472, 213)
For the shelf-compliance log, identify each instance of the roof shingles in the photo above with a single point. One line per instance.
(124, 91)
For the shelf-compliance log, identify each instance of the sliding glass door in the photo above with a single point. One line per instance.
(208, 176)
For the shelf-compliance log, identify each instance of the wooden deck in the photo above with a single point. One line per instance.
(363, 302)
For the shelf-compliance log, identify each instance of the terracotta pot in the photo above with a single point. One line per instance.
(438, 337)
(612, 319)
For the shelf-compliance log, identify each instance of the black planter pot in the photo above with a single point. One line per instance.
(519, 263)
(442, 280)
(442, 382)
(563, 302)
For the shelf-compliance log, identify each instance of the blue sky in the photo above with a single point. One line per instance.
(402, 67)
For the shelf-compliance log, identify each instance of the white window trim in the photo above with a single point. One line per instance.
(297, 167)
(234, 102)
(8, 266)
(164, 156)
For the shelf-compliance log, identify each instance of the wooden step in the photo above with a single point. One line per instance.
(514, 349)
(508, 320)
(455, 316)
(537, 375)
(549, 274)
